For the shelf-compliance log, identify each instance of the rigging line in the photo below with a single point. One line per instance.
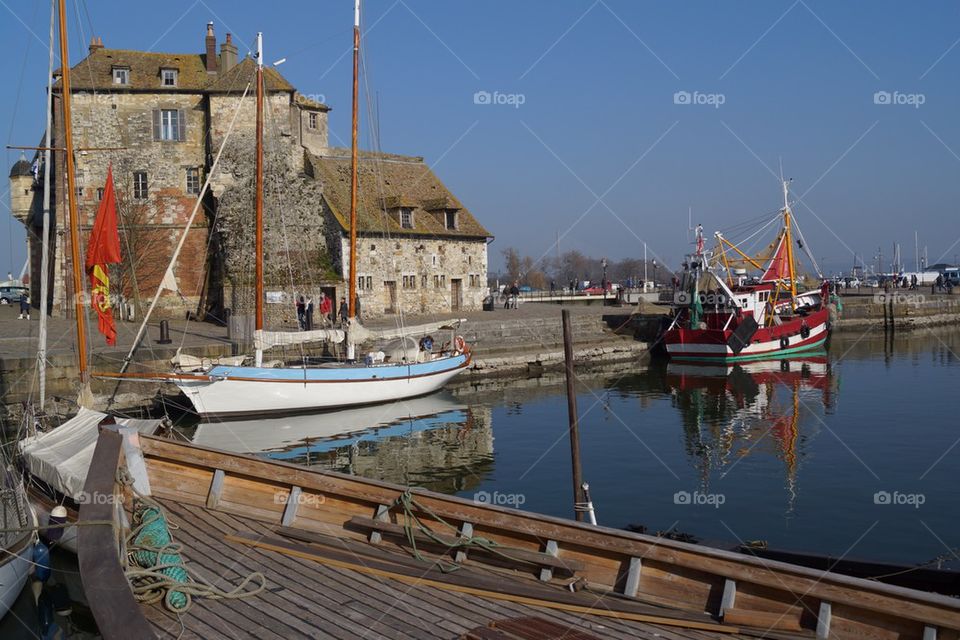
(806, 247)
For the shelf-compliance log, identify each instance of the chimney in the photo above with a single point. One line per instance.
(211, 42)
(228, 54)
(95, 43)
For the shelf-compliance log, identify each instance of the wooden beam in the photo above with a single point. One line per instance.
(216, 488)
(729, 599)
(765, 619)
(290, 510)
(632, 584)
(546, 573)
(383, 515)
(117, 613)
(823, 619)
(466, 531)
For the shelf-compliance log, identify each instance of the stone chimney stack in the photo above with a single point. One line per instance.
(228, 54)
(95, 43)
(211, 42)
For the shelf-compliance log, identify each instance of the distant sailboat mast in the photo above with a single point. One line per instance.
(354, 160)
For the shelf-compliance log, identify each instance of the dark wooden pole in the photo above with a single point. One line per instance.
(572, 413)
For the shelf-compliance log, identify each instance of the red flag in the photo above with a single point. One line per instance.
(104, 249)
(779, 266)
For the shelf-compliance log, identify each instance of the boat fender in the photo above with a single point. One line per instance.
(58, 518)
(460, 344)
(784, 342)
(804, 331)
(41, 561)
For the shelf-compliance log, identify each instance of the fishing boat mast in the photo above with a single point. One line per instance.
(72, 197)
(258, 251)
(789, 242)
(351, 302)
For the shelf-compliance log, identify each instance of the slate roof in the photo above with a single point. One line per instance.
(388, 181)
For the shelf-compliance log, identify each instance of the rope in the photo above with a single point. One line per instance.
(412, 523)
(155, 568)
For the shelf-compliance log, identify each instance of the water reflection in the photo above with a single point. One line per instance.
(768, 408)
(434, 441)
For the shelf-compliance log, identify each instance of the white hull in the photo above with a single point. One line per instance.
(14, 571)
(249, 391)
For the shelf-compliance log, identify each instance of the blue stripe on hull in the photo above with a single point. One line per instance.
(343, 372)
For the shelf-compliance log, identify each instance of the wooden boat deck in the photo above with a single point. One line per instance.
(309, 599)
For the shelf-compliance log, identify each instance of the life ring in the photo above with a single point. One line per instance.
(460, 344)
(804, 331)
(784, 342)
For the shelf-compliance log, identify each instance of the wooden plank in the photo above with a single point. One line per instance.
(117, 613)
(823, 620)
(537, 628)
(764, 619)
(729, 598)
(546, 570)
(632, 583)
(519, 555)
(290, 510)
(216, 489)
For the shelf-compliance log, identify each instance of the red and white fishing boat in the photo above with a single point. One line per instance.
(719, 314)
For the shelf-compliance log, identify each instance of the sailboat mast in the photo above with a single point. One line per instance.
(351, 304)
(45, 238)
(789, 241)
(72, 194)
(259, 186)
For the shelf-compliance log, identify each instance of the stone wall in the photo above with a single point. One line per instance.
(419, 275)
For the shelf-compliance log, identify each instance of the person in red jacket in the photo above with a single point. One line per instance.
(326, 306)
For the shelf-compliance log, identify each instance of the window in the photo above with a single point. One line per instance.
(409, 282)
(450, 219)
(439, 281)
(169, 125)
(373, 248)
(406, 217)
(365, 283)
(99, 194)
(79, 192)
(423, 281)
(121, 75)
(193, 181)
(312, 120)
(140, 185)
(168, 77)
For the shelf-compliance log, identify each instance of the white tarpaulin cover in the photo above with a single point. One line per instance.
(263, 340)
(61, 457)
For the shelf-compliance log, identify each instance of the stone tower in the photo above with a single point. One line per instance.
(21, 189)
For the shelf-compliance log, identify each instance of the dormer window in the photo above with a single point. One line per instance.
(406, 217)
(168, 77)
(312, 120)
(450, 219)
(121, 75)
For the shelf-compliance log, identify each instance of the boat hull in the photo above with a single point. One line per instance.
(769, 342)
(251, 391)
(14, 571)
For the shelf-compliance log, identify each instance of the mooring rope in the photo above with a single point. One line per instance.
(154, 565)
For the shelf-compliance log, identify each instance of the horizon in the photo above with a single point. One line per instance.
(534, 127)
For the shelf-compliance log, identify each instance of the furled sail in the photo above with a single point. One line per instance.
(263, 340)
(779, 266)
(360, 334)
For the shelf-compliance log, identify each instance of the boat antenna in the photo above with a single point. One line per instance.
(258, 252)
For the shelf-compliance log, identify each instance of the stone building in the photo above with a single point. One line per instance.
(159, 119)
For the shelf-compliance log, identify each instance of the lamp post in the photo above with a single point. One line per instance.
(603, 281)
(654, 274)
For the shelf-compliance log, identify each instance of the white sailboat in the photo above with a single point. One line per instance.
(408, 366)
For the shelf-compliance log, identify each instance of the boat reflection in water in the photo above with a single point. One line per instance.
(433, 441)
(751, 409)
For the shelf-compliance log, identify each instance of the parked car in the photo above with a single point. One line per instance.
(11, 295)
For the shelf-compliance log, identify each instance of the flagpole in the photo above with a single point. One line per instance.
(45, 238)
(72, 199)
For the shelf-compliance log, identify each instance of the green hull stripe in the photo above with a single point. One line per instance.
(773, 355)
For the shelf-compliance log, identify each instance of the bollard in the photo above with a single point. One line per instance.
(164, 333)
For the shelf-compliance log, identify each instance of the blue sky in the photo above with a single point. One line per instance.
(599, 151)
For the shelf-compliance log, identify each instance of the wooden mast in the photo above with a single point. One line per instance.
(258, 251)
(72, 196)
(789, 240)
(351, 301)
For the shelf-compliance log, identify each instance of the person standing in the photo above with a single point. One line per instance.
(514, 295)
(325, 308)
(344, 311)
(310, 314)
(24, 306)
(301, 313)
